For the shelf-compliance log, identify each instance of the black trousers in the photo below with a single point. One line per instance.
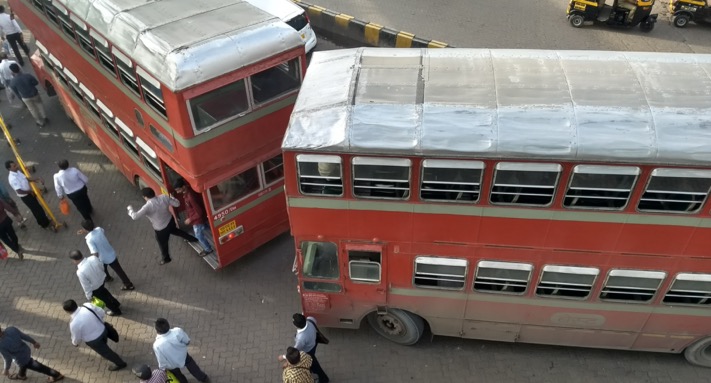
(316, 366)
(194, 371)
(37, 211)
(80, 198)
(119, 271)
(39, 367)
(111, 303)
(8, 236)
(102, 348)
(163, 237)
(16, 39)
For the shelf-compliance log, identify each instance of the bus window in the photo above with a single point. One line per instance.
(127, 136)
(38, 4)
(451, 180)
(502, 277)
(126, 72)
(276, 81)
(320, 261)
(600, 187)
(149, 157)
(690, 289)
(233, 189)
(319, 174)
(52, 12)
(103, 52)
(566, 281)
(631, 285)
(162, 138)
(676, 190)
(66, 24)
(152, 93)
(524, 183)
(83, 35)
(387, 178)
(273, 169)
(364, 266)
(442, 273)
(218, 106)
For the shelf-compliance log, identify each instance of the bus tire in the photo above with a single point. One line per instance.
(699, 353)
(398, 326)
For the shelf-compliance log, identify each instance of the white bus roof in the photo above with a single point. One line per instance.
(187, 42)
(539, 104)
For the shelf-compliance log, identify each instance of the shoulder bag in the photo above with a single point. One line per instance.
(320, 338)
(111, 332)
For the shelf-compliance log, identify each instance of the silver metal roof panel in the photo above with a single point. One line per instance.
(558, 105)
(186, 42)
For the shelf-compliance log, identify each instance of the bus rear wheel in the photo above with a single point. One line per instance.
(699, 353)
(398, 326)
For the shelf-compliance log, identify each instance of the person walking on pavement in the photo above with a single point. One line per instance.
(11, 30)
(99, 246)
(196, 215)
(305, 341)
(297, 366)
(5, 196)
(21, 185)
(91, 275)
(70, 182)
(87, 325)
(24, 85)
(144, 373)
(13, 347)
(7, 233)
(171, 349)
(157, 209)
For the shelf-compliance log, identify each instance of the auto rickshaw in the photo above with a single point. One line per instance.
(622, 13)
(683, 11)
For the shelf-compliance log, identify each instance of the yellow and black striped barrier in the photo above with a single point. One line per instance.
(372, 34)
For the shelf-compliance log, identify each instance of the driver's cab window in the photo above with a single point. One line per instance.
(364, 266)
(320, 259)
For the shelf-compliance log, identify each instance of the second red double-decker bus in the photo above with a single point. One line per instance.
(556, 197)
(181, 88)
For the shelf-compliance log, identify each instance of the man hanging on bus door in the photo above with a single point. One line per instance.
(196, 215)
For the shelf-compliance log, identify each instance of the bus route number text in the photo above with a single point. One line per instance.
(223, 214)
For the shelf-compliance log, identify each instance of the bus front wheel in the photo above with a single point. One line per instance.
(398, 326)
(699, 353)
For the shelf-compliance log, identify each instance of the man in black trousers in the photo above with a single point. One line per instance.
(91, 275)
(21, 185)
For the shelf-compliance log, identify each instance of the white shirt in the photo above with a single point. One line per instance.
(84, 326)
(157, 210)
(91, 275)
(18, 181)
(69, 181)
(171, 349)
(5, 72)
(8, 26)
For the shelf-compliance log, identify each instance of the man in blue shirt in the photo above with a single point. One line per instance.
(99, 246)
(24, 85)
(13, 347)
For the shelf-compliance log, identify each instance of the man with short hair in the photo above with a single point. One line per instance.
(87, 325)
(305, 341)
(21, 185)
(171, 349)
(196, 215)
(13, 347)
(71, 182)
(11, 30)
(157, 209)
(296, 365)
(91, 276)
(24, 85)
(5, 72)
(144, 373)
(99, 246)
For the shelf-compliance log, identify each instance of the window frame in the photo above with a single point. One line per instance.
(602, 170)
(149, 97)
(542, 167)
(629, 273)
(569, 270)
(440, 261)
(702, 277)
(317, 159)
(363, 262)
(503, 265)
(449, 165)
(381, 161)
(676, 173)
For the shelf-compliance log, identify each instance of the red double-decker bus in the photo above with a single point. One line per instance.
(556, 197)
(168, 89)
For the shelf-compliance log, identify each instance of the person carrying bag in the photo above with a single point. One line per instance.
(111, 332)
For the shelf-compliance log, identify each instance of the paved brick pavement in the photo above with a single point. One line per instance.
(239, 318)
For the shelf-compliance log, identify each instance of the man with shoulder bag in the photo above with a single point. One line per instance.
(306, 340)
(87, 325)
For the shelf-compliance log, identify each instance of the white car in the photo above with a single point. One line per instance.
(291, 14)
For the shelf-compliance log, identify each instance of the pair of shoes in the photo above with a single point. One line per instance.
(117, 367)
(57, 379)
(205, 253)
(109, 278)
(164, 261)
(113, 313)
(128, 288)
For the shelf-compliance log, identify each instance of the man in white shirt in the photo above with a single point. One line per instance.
(87, 325)
(171, 349)
(71, 183)
(21, 185)
(13, 33)
(5, 72)
(157, 209)
(91, 276)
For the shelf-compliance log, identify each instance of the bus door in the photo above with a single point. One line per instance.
(365, 277)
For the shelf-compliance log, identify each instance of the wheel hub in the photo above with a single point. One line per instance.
(390, 325)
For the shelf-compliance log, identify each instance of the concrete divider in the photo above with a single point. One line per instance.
(340, 25)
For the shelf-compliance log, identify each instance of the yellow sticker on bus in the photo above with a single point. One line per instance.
(227, 228)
